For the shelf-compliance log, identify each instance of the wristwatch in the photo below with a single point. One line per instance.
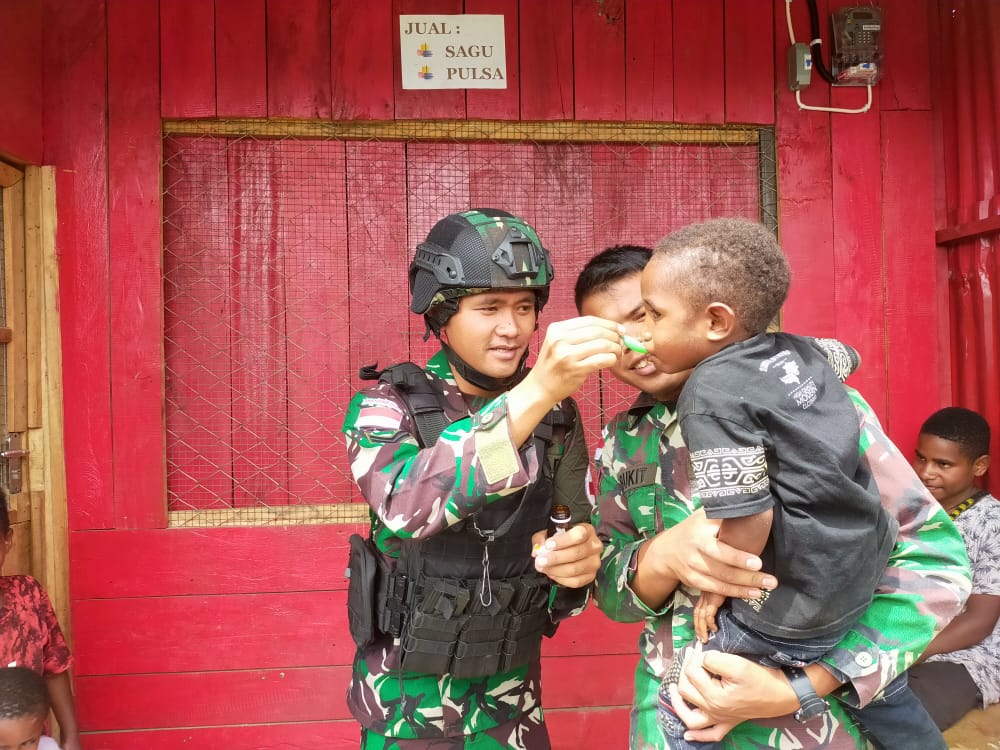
(810, 704)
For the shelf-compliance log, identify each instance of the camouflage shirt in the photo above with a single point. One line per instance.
(643, 488)
(418, 492)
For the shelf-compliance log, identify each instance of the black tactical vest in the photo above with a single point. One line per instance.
(468, 601)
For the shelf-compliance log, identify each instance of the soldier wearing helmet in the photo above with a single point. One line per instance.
(471, 253)
(461, 462)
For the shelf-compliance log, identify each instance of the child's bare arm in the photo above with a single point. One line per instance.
(748, 533)
(61, 696)
(970, 627)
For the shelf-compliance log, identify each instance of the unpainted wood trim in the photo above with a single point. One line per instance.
(47, 472)
(468, 130)
(289, 515)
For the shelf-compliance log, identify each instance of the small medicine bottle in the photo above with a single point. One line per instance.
(560, 519)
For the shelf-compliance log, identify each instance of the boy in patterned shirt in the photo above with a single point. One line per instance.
(962, 668)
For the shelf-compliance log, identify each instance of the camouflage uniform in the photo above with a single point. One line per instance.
(416, 492)
(643, 488)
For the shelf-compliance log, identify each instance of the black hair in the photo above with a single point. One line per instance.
(607, 267)
(734, 261)
(962, 426)
(23, 692)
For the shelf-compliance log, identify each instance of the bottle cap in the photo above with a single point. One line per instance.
(560, 514)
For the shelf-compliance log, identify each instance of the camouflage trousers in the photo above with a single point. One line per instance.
(525, 733)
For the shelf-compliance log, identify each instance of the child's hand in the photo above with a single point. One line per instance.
(704, 615)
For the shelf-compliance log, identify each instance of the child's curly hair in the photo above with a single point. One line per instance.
(734, 261)
(23, 692)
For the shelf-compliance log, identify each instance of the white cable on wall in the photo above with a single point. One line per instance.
(841, 110)
(798, 93)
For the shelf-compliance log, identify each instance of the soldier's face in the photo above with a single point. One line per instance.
(621, 301)
(492, 330)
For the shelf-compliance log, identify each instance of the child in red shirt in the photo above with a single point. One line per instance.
(30, 637)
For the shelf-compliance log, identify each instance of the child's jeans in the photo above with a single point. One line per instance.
(897, 720)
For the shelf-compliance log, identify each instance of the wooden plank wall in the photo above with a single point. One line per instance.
(969, 131)
(21, 82)
(236, 637)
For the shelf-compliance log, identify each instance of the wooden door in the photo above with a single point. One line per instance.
(32, 475)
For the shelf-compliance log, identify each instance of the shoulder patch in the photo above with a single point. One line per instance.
(378, 413)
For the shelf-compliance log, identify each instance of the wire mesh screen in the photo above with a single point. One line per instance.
(285, 271)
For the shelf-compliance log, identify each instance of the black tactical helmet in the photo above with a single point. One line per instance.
(476, 250)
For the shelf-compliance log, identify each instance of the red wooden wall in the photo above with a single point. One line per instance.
(236, 637)
(968, 56)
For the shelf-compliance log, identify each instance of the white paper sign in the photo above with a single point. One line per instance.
(452, 52)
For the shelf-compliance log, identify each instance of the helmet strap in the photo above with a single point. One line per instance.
(481, 380)
(437, 317)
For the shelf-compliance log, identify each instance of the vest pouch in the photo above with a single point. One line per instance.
(523, 641)
(429, 643)
(362, 568)
(433, 626)
(479, 647)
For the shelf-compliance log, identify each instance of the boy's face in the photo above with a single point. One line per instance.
(621, 301)
(679, 331)
(22, 733)
(491, 331)
(946, 471)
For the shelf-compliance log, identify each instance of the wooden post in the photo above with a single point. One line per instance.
(46, 472)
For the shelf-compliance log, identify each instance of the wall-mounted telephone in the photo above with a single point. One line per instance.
(857, 46)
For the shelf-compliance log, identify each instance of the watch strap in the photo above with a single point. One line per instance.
(810, 704)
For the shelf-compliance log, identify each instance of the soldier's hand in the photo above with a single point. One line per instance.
(572, 350)
(693, 553)
(571, 559)
(721, 690)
